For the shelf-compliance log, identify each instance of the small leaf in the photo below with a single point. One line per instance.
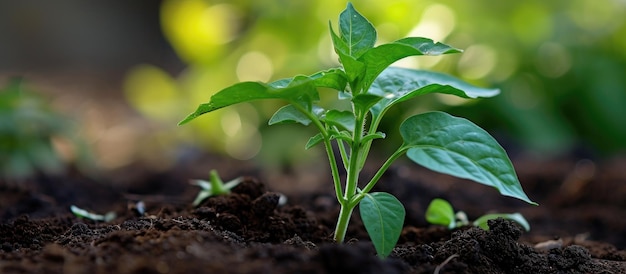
(81, 213)
(290, 114)
(372, 136)
(318, 138)
(516, 217)
(352, 67)
(382, 56)
(383, 217)
(440, 212)
(342, 119)
(396, 85)
(356, 31)
(365, 101)
(333, 78)
(458, 147)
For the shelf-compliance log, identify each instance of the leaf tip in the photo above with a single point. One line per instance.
(187, 119)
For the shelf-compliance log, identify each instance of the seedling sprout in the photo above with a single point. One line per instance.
(440, 212)
(215, 186)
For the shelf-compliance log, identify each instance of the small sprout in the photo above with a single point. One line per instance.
(81, 213)
(138, 208)
(440, 212)
(214, 187)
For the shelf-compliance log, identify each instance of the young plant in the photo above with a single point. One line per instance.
(27, 128)
(215, 186)
(440, 212)
(436, 140)
(81, 213)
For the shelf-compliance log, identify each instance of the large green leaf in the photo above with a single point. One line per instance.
(397, 85)
(298, 90)
(383, 217)
(458, 147)
(356, 31)
(379, 58)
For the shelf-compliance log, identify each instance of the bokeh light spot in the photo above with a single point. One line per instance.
(553, 60)
(254, 66)
(153, 92)
(198, 30)
(437, 22)
(477, 61)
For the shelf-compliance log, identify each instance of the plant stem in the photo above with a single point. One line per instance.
(329, 150)
(353, 167)
(342, 223)
(352, 180)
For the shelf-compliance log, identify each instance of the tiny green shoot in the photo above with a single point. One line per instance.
(81, 213)
(371, 86)
(440, 212)
(215, 186)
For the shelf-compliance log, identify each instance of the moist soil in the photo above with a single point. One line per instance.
(265, 227)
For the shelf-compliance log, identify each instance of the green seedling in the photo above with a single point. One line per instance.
(215, 186)
(436, 140)
(440, 212)
(28, 129)
(81, 213)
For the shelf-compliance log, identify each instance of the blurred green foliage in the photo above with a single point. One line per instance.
(27, 129)
(560, 64)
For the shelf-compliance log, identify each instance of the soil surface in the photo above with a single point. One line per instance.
(579, 226)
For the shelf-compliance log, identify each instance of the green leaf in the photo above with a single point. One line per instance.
(397, 85)
(365, 101)
(516, 217)
(342, 119)
(353, 68)
(372, 136)
(383, 217)
(81, 213)
(458, 147)
(440, 212)
(215, 186)
(290, 114)
(382, 56)
(332, 78)
(298, 90)
(318, 138)
(356, 31)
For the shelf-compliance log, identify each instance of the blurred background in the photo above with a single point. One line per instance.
(121, 74)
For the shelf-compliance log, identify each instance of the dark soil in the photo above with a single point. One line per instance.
(579, 226)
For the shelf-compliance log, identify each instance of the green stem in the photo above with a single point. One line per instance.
(342, 223)
(353, 168)
(342, 151)
(329, 150)
(367, 145)
(352, 180)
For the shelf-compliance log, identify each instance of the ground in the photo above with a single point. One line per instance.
(577, 228)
